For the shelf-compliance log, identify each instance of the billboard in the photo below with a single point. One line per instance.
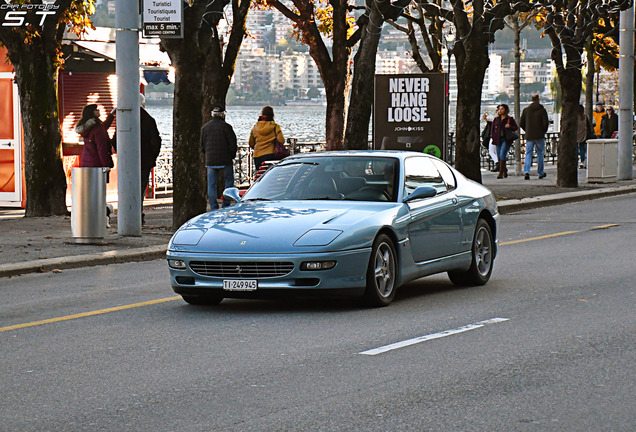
(410, 113)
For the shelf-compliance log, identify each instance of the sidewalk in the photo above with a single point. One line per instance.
(46, 245)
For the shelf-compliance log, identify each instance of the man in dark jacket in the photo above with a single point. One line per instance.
(609, 123)
(150, 147)
(534, 121)
(218, 143)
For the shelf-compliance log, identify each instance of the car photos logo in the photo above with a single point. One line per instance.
(24, 14)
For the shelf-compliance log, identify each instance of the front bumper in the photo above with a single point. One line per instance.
(348, 276)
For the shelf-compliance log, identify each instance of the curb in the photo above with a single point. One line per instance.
(148, 253)
(514, 205)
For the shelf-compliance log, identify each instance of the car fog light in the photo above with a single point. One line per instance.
(317, 265)
(176, 264)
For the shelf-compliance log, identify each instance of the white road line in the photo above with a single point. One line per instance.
(409, 342)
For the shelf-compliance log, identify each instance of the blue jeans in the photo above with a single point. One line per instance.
(583, 151)
(228, 175)
(502, 150)
(530, 145)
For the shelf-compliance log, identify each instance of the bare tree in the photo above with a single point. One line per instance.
(312, 21)
(569, 24)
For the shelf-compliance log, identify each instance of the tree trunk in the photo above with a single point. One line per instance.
(36, 77)
(361, 99)
(567, 173)
(336, 111)
(188, 172)
(471, 56)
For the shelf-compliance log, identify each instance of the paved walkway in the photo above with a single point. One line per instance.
(46, 244)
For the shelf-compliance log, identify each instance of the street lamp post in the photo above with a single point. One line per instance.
(449, 40)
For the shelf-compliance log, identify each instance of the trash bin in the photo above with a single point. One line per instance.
(602, 160)
(88, 213)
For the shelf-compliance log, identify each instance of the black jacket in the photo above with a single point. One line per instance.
(609, 125)
(218, 142)
(150, 140)
(534, 121)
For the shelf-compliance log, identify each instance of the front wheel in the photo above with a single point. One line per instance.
(381, 273)
(482, 259)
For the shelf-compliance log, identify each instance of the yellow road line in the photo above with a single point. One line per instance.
(87, 314)
(564, 233)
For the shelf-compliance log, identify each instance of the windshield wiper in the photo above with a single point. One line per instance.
(257, 199)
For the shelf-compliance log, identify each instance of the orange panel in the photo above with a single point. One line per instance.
(7, 171)
(6, 109)
(4, 65)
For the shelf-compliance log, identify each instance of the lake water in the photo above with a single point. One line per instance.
(307, 123)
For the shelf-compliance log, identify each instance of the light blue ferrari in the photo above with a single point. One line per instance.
(357, 223)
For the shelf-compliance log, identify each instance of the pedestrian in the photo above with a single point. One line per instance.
(534, 121)
(97, 144)
(609, 123)
(97, 152)
(263, 137)
(584, 132)
(503, 136)
(218, 143)
(598, 114)
(150, 148)
(487, 143)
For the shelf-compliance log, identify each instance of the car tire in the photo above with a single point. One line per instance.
(381, 273)
(209, 300)
(482, 258)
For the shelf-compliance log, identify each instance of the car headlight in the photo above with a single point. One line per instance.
(177, 264)
(317, 265)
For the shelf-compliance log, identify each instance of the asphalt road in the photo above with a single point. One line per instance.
(547, 345)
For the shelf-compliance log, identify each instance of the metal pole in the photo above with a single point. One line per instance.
(128, 134)
(625, 94)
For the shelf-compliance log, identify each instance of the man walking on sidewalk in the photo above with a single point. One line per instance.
(534, 121)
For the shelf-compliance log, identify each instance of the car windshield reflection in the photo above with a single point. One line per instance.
(329, 178)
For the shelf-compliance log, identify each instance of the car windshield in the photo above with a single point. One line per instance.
(354, 178)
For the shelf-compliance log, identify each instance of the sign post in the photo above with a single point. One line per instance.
(410, 113)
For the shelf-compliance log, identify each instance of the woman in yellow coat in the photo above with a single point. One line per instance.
(263, 137)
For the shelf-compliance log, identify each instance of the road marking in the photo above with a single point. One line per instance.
(409, 342)
(564, 233)
(88, 314)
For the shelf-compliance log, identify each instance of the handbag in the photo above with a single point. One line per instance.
(485, 135)
(510, 135)
(280, 151)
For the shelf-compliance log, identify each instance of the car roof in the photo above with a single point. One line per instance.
(400, 154)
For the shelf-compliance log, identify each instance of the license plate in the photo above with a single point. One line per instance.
(240, 284)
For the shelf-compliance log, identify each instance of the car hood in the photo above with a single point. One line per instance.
(263, 227)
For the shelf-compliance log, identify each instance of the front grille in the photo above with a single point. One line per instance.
(241, 270)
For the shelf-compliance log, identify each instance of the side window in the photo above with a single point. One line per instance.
(447, 174)
(420, 171)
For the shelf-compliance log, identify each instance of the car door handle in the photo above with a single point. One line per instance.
(6, 145)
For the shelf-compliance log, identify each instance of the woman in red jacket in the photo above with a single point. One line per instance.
(500, 124)
(97, 149)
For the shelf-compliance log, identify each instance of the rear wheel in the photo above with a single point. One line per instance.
(208, 300)
(381, 273)
(482, 258)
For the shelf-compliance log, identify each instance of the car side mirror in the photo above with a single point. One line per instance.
(232, 194)
(421, 192)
